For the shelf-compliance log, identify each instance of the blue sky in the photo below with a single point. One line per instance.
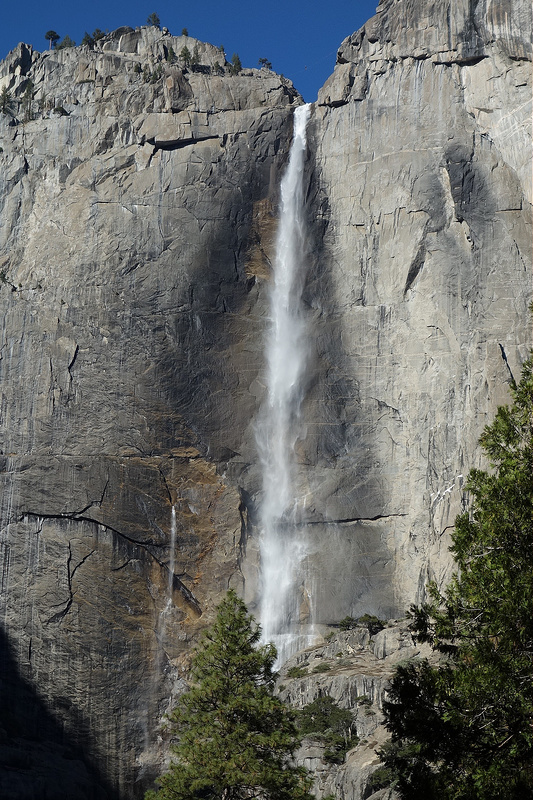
(300, 38)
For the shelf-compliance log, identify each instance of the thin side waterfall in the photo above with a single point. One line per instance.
(285, 601)
(161, 628)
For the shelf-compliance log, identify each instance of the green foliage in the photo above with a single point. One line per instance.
(363, 701)
(6, 101)
(296, 672)
(27, 100)
(463, 728)
(235, 66)
(333, 725)
(88, 40)
(195, 58)
(170, 55)
(372, 623)
(91, 39)
(322, 667)
(217, 69)
(264, 63)
(154, 20)
(51, 37)
(156, 74)
(65, 43)
(184, 32)
(235, 739)
(369, 621)
(185, 55)
(348, 623)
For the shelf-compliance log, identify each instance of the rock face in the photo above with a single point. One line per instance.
(422, 153)
(138, 203)
(132, 192)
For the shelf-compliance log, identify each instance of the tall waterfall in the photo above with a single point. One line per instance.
(282, 549)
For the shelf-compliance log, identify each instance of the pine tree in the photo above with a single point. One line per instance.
(236, 65)
(463, 728)
(51, 37)
(88, 40)
(185, 55)
(154, 20)
(195, 58)
(235, 739)
(65, 43)
(6, 101)
(27, 100)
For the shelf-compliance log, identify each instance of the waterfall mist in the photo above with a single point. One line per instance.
(285, 598)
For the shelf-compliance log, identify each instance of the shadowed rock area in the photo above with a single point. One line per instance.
(138, 203)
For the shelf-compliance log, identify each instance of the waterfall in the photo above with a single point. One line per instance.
(282, 547)
(172, 555)
(166, 613)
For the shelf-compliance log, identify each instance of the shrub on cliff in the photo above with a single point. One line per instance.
(463, 729)
(369, 621)
(335, 726)
(235, 739)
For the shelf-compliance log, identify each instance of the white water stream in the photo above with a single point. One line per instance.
(285, 597)
(161, 629)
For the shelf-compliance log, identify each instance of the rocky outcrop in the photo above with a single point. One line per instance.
(138, 207)
(354, 669)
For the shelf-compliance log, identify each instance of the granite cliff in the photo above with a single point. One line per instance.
(138, 205)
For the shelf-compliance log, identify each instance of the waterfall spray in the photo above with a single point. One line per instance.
(283, 551)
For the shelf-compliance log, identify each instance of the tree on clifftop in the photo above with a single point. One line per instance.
(462, 730)
(65, 43)
(236, 65)
(154, 20)
(235, 740)
(51, 37)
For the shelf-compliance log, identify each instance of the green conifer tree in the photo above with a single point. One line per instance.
(27, 100)
(88, 40)
(236, 65)
(235, 739)
(185, 55)
(154, 20)
(65, 43)
(52, 38)
(6, 101)
(464, 728)
(195, 58)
